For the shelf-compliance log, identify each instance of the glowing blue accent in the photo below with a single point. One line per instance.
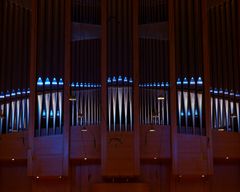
(196, 113)
(150, 84)
(58, 113)
(182, 114)
(81, 84)
(200, 81)
(179, 81)
(54, 81)
(211, 91)
(89, 85)
(237, 95)
(47, 81)
(215, 91)
(51, 113)
(130, 80)
(167, 84)
(109, 80)
(77, 84)
(120, 78)
(125, 80)
(7, 94)
(226, 92)
(185, 81)
(189, 113)
(231, 93)
(162, 84)
(28, 91)
(85, 85)
(73, 84)
(13, 93)
(23, 92)
(39, 82)
(158, 85)
(220, 91)
(18, 92)
(114, 80)
(2, 95)
(154, 84)
(44, 113)
(192, 81)
(60, 81)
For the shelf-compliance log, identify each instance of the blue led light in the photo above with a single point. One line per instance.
(85, 85)
(237, 95)
(150, 84)
(73, 84)
(182, 114)
(231, 93)
(226, 92)
(120, 78)
(54, 81)
(51, 113)
(215, 91)
(179, 81)
(18, 92)
(211, 91)
(154, 84)
(196, 113)
(114, 80)
(81, 84)
(192, 81)
(23, 92)
(200, 81)
(109, 80)
(2, 95)
(125, 80)
(60, 81)
(58, 113)
(28, 90)
(7, 94)
(162, 84)
(167, 84)
(13, 93)
(130, 80)
(44, 113)
(77, 84)
(189, 113)
(39, 82)
(158, 84)
(185, 81)
(47, 81)
(220, 91)
(147, 85)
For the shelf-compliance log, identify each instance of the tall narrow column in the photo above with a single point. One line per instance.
(67, 77)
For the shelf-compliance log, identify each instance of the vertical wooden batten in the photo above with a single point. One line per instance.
(32, 80)
(103, 81)
(67, 79)
(206, 77)
(136, 64)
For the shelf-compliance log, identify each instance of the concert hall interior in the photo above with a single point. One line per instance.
(119, 95)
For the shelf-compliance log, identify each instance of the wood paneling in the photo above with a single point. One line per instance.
(155, 145)
(226, 144)
(13, 146)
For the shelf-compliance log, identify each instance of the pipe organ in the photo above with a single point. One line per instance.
(224, 27)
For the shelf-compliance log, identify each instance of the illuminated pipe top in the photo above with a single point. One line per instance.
(54, 81)
(120, 79)
(47, 82)
(192, 81)
(155, 84)
(13, 93)
(85, 85)
(200, 81)
(185, 81)
(220, 91)
(2, 96)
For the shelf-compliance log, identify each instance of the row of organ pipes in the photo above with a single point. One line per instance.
(190, 106)
(14, 109)
(120, 111)
(50, 107)
(154, 108)
(225, 110)
(85, 109)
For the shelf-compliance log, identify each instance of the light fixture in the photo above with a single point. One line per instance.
(12, 159)
(37, 177)
(80, 116)
(152, 130)
(60, 177)
(221, 129)
(160, 98)
(155, 158)
(180, 176)
(84, 129)
(227, 158)
(202, 176)
(85, 158)
(72, 98)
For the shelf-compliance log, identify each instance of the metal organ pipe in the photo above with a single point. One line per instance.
(179, 94)
(200, 104)
(47, 108)
(227, 114)
(125, 98)
(40, 100)
(238, 118)
(193, 101)
(54, 108)
(18, 115)
(185, 103)
(221, 122)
